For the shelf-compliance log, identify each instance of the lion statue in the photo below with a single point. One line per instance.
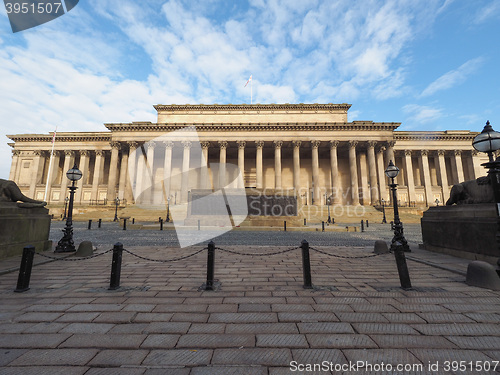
(10, 192)
(479, 190)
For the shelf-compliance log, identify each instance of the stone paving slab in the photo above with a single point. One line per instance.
(161, 322)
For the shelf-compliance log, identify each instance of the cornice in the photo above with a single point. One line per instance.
(464, 135)
(282, 126)
(62, 137)
(250, 107)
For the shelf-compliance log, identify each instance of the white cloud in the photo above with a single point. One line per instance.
(487, 12)
(453, 77)
(421, 114)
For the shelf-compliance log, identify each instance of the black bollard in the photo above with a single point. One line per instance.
(124, 224)
(99, 224)
(404, 276)
(133, 220)
(116, 266)
(210, 266)
(322, 226)
(161, 223)
(305, 221)
(362, 226)
(284, 225)
(90, 225)
(159, 218)
(23, 281)
(306, 264)
(367, 223)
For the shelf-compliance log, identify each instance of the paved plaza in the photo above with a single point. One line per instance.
(259, 320)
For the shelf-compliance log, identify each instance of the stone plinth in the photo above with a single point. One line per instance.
(23, 226)
(469, 231)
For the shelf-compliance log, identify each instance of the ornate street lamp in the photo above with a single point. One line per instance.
(384, 221)
(168, 210)
(399, 244)
(66, 200)
(66, 243)
(117, 202)
(488, 141)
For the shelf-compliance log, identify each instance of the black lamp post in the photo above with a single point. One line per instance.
(329, 217)
(399, 244)
(117, 202)
(489, 141)
(66, 243)
(168, 210)
(384, 221)
(65, 206)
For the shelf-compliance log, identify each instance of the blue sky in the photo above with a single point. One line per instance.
(429, 64)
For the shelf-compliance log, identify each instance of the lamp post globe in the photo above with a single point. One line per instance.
(66, 243)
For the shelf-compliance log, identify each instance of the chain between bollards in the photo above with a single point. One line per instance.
(210, 266)
(23, 281)
(116, 266)
(306, 264)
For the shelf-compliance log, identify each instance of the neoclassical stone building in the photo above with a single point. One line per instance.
(310, 149)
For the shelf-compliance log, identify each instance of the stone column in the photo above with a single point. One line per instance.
(277, 164)
(258, 163)
(140, 179)
(381, 173)
(334, 166)
(54, 170)
(296, 167)
(363, 174)
(459, 166)
(167, 167)
(13, 167)
(69, 160)
(476, 164)
(204, 179)
(84, 167)
(354, 173)
(241, 162)
(132, 171)
(122, 183)
(390, 151)
(98, 167)
(185, 171)
(372, 171)
(427, 177)
(35, 172)
(150, 172)
(443, 175)
(409, 177)
(315, 172)
(113, 172)
(222, 164)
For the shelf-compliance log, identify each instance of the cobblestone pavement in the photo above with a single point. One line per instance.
(110, 233)
(258, 321)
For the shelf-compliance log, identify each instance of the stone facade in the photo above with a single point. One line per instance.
(310, 149)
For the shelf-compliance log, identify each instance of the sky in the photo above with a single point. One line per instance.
(429, 64)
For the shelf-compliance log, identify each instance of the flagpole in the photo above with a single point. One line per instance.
(251, 92)
(50, 165)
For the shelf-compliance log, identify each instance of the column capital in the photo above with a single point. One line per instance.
(315, 144)
(223, 145)
(372, 144)
(352, 144)
(474, 152)
(69, 152)
(391, 143)
(168, 144)
(296, 144)
(150, 144)
(133, 145)
(334, 144)
(381, 149)
(278, 144)
(115, 144)
(441, 152)
(205, 145)
(39, 152)
(16, 152)
(407, 152)
(186, 144)
(259, 144)
(84, 153)
(99, 152)
(424, 152)
(457, 152)
(241, 144)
